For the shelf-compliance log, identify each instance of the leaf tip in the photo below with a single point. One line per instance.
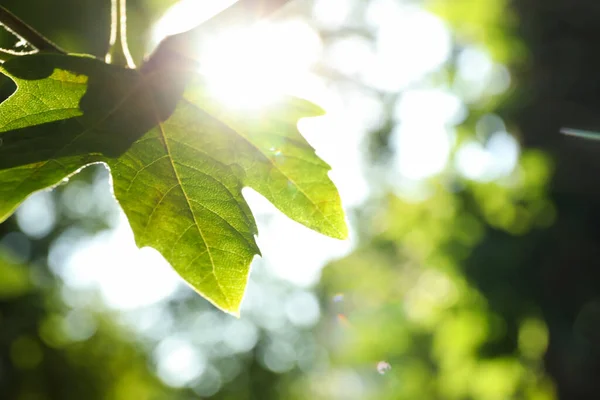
(343, 233)
(231, 309)
(309, 109)
(337, 229)
(317, 110)
(226, 306)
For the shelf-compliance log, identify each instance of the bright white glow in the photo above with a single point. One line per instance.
(422, 149)
(250, 67)
(302, 309)
(126, 276)
(247, 67)
(474, 65)
(178, 362)
(279, 356)
(431, 105)
(339, 139)
(382, 12)
(153, 323)
(505, 149)
(77, 199)
(240, 335)
(332, 13)
(473, 161)
(263, 299)
(36, 216)
(478, 75)
(497, 159)
(300, 257)
(410, 44)
(499, 80)
(350, 55)
(422, 140)
(212, 327)
(185, 15)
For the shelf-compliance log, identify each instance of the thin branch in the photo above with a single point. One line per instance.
(13, 53)
(114, 27)
(123, 26)
(118, 51)
(182, 45)
(27, 33)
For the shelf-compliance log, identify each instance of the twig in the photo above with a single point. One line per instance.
(7, 54)
(118, 52)
(182, 45)
(27, 33)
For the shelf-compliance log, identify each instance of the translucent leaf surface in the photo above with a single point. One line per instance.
(178, 159)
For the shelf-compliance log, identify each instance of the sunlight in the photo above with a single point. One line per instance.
(410, 44)
(251, 67)
(185, 15)
(93, 262)
(248, 67)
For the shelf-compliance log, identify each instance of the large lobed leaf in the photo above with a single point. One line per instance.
(178, 159)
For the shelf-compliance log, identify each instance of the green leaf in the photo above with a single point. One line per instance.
(178, 159)
(271, 156)
(26, 164)
(188, 206)
(67, 112)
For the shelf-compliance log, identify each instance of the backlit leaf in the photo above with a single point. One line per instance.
(178, 160)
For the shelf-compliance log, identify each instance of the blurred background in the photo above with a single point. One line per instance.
(473, 268)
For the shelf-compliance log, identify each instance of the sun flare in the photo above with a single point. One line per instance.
(249, 67)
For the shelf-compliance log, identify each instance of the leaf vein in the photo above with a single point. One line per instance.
(168, 149)
(145, 167)
(276, 167)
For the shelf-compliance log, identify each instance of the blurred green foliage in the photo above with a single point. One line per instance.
(449, 294)
(408, 299)
(15, 281)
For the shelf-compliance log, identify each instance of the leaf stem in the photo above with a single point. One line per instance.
(118, 52)
(19, 28)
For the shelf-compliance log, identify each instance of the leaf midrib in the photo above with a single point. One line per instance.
(187, 199)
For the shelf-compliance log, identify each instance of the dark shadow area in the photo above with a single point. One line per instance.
(119, 106)
(555, 270)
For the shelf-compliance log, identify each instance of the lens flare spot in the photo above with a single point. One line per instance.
(338, 298)
(383, 367)
(343, 320)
